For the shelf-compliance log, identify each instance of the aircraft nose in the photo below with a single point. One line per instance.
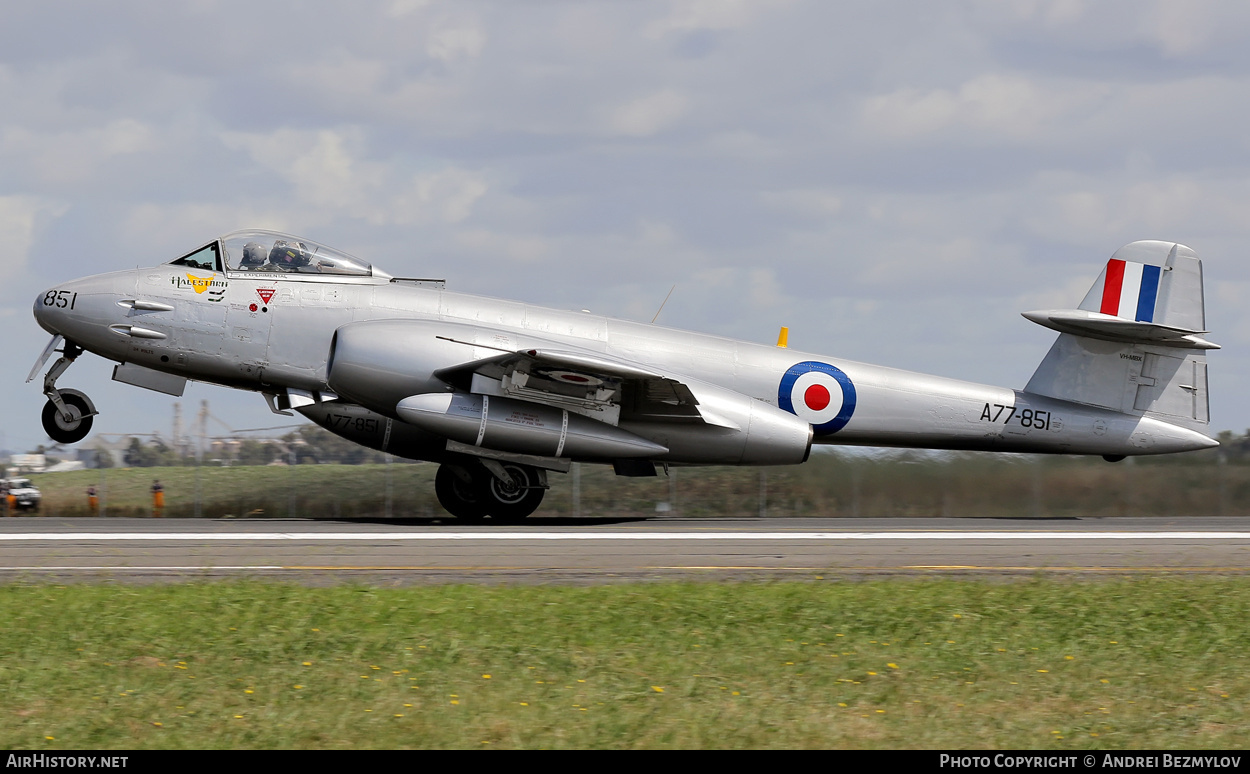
(82, 309)
(56, 307)
(47, 313)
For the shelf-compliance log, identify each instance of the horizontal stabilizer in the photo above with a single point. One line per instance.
(1097, 325)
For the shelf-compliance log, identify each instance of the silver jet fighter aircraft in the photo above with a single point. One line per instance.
(501, 393)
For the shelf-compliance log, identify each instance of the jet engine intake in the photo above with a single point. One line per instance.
(378, 363)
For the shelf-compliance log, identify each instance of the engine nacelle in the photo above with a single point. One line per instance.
(379, 363)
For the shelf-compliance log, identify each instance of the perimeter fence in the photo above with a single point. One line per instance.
(838, 484)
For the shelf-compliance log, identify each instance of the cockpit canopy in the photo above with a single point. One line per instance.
(270, 252)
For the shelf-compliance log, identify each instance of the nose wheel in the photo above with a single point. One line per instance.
(72, 424)
(68, 414)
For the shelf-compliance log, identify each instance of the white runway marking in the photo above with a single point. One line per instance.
(501, 536)
(140, 567)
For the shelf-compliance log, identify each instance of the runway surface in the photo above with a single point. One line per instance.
(606, 551)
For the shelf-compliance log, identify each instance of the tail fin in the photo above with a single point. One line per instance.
(1135, 343)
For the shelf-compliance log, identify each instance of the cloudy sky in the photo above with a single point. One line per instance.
(895, 181)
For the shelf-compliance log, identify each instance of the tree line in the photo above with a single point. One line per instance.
(309, 445)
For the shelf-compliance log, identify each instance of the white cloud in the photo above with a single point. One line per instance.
(520, 248)
(327, 171)
(764, 292)
(811, 202)
(21, 218)
(450, 193)
(649, 115)
(1006, 106)
(60, 158)
(691, 15)
(1176, 30)
(318, 167)
(336, 74)
(1230, 294)
(456, 42)
(654, 234)
(399, 8)
(1181, 28)
(327, 174)
(746, 146)
(1051, 13)
(1058, 292)
(1097, 209)
(908, 261)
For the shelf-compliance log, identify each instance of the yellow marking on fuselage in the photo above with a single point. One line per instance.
(200, 284)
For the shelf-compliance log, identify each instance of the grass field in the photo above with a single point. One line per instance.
(827, 485)
(1146, 663)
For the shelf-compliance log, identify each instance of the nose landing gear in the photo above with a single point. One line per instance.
(67, 416)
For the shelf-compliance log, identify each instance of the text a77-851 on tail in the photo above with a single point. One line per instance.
(502, 394)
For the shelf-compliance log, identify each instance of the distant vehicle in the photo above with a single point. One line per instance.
(501, 393)
(28, 463)
(27, 497)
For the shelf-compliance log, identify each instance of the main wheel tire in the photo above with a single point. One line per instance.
(462, 499)
(72, 431)
(512, 501)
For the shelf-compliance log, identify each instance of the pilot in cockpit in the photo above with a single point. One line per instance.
(289, 256)
(254, 256)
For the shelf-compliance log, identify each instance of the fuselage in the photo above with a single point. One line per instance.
(272, 333)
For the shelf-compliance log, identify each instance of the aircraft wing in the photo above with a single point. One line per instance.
(595, 384)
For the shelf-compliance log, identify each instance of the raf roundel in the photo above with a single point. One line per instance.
(819, 393)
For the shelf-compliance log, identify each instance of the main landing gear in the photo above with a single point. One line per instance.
(476, 488)
(67, 416)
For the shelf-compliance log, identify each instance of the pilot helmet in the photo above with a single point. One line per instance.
(253, 254)
(289, 253)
